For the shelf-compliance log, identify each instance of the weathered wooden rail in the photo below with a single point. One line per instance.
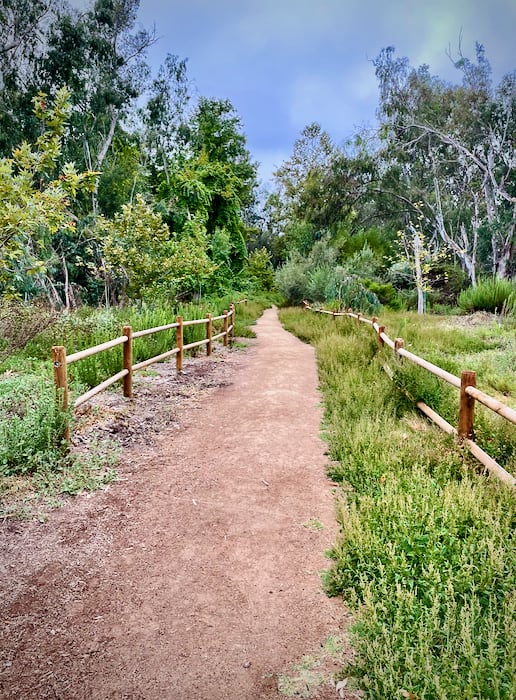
(466, 384)
(61, 360)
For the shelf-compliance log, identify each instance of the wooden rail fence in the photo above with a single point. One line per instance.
(466, 384)
(61, 360)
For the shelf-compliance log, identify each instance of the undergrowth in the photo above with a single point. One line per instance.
(426, 552)
(89, 327)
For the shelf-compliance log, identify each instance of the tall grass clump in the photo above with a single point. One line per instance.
(509, 306)
(426, 555)
(89, 327)
(488, 295)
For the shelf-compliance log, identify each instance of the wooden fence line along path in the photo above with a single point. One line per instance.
(61, 360)
(466, 384)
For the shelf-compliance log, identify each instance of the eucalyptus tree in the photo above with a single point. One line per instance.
(23, 40)
(100, 55)
(164, 119)
(454, 147)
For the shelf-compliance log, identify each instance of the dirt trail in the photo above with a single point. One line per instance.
(195, 577)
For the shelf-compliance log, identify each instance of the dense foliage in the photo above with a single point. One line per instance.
(91, 140)
(115, 184)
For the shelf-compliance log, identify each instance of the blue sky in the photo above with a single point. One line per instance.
(286, 63)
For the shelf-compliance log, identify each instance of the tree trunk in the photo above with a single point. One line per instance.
(419, 275)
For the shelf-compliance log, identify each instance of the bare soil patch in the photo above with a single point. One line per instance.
(197, 574)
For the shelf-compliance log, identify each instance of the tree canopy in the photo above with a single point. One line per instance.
(117, 183)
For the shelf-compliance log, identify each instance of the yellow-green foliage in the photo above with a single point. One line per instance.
(34, 203)
(426, 552)
(139, 249)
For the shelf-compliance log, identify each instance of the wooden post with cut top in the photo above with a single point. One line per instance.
(225, 328)
(128, 362)
(209, 327)
(398, 343)
(467, 405)
(61, 383)
(179, 344)
(232, 334)
(381, 329)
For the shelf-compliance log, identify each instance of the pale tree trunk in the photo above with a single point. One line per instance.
(467, 259)
(505, 252)
(420, 284)
(101, 155)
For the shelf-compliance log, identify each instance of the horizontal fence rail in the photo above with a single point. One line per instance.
(60, 360)
(466, 384)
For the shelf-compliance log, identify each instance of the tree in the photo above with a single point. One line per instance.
(23, 31)
(419, 253)
(34, 200)
(213, 185)
(100, 56)
(140, 253)
(454, 146)
(164, 118)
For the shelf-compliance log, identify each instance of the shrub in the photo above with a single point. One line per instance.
(292, 279)
(31, 425)
(488, 295)
(19, 323)
(353, 294)
(386, 293)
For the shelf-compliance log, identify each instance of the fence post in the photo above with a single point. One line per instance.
(398, 343)
(381, 329)
(225, 328)
(61, 383)
(467, 405)
(233, 316)
(359, 316)
(128, 361)
(179, 344)
(209, 327)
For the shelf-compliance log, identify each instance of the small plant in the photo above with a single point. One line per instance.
(314, 524)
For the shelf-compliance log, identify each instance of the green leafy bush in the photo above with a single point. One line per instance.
(31, 425)
(385, 291)
(352, 294)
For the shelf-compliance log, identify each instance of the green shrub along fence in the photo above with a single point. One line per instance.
(223, 325)
(466, 384)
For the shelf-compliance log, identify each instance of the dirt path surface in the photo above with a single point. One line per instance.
(196, 576)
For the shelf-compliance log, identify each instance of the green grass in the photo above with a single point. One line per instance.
(426, 554)
(89, 327)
